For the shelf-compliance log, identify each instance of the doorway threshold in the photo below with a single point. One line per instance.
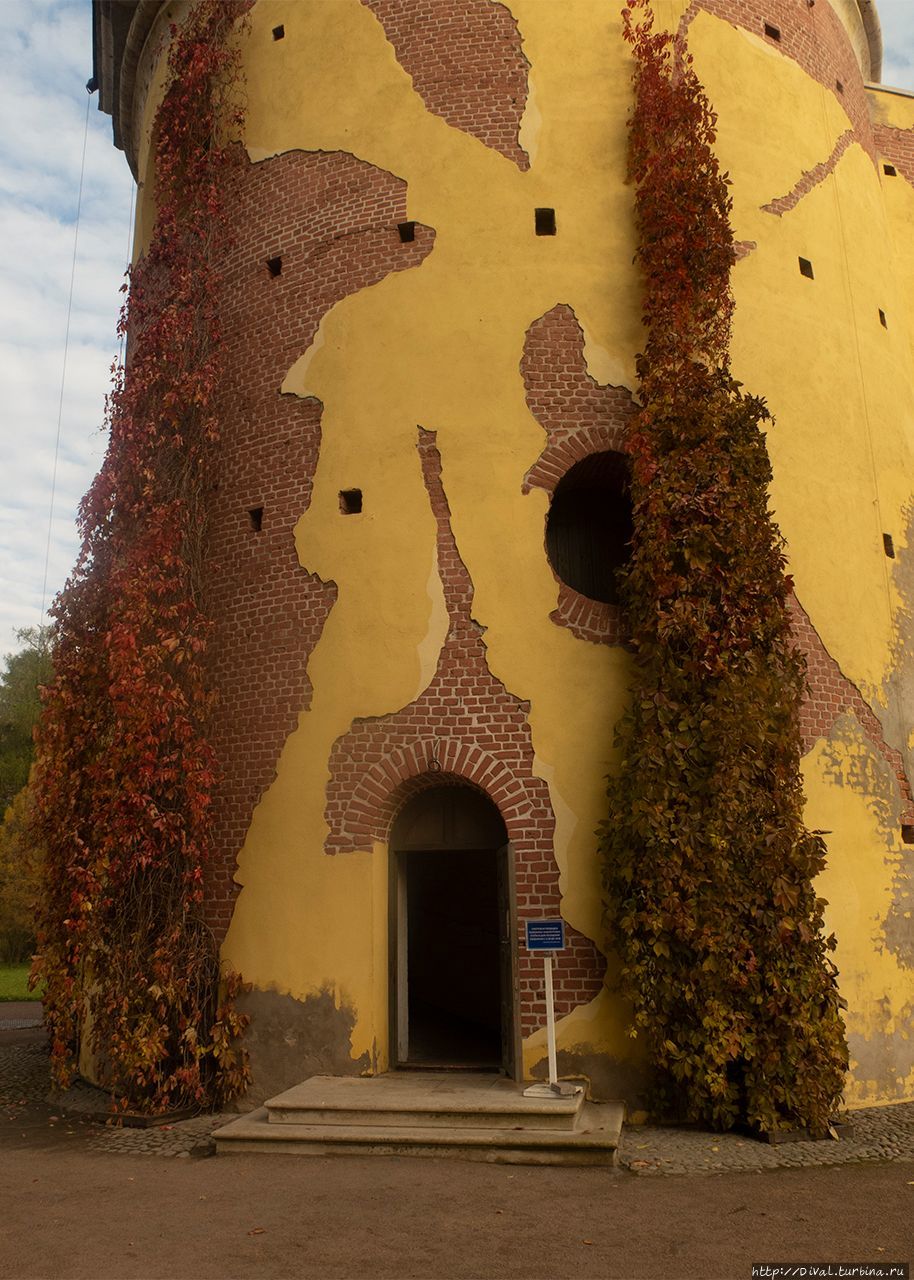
(489, 1068)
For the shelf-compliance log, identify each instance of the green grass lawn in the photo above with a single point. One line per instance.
(14, 983)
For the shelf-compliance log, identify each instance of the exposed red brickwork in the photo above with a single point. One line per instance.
(464, 727)
(579, 417)
(810, 179)
(589, 619)
(742, 248)
(831, 694)
(813, 36)
(333, 221)
(896, 146)
(467, 65)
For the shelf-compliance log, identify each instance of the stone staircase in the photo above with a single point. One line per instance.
(473, 1116)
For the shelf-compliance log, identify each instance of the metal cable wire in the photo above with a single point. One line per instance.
(63, 372)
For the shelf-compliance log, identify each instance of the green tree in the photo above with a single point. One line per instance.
(19, 869)
(25, 671)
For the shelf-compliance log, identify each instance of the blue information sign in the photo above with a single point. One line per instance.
(545, 935)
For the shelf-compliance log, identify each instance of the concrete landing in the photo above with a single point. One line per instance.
(472, 1116)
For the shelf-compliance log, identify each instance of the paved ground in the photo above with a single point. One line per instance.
(879, 1133)
(82, 1201)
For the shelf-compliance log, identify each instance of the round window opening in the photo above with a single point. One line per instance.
(589, 525)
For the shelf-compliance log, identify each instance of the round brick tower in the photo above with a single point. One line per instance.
(431, 320)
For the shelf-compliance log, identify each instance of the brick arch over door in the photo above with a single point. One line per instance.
(389, 784)
(385, 789)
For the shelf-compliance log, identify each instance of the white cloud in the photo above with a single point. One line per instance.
(47, 59)
(897, 20)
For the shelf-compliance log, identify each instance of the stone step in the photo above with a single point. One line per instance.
(420, 1100)
(594, 1141)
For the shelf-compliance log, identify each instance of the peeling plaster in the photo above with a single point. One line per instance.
(853, 795)
(531, 121)
(441, 343)
(898, 723)
(289, 1040)
(783, 204)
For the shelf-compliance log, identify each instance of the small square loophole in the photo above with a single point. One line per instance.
(279, 32)
(888, 545)
(255, 515)
(350, 502)
(907, 832)
(890, 170)
(407, 232)
(274, 266)
(544, 222)
(806, 269)
(772, 32)
(882, 319)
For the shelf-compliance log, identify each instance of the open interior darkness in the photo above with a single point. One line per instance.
(453, 958)
(589, 526)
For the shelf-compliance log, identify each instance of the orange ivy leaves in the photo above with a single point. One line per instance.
(125, 771)
(708, 866)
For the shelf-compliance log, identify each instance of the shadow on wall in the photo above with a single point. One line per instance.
(290, 1040)
(608, 1079)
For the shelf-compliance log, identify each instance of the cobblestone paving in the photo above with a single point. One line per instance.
(25, 1081)
(23, 1075)
(879, 1133)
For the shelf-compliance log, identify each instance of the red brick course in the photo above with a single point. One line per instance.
(332, 219)
(467, 65)
(579, 417)
(813, 36)
(465, 727)
(896, 146)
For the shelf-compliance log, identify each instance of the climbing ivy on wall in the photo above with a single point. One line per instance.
(709, 868)
(124, 769)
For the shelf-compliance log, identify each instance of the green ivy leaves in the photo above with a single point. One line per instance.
(708, 867)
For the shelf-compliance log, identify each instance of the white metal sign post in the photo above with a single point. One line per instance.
(545, 937)
(550, 1020)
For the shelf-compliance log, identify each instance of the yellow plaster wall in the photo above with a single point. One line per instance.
(896, 110)
(837, 382)
(415, 350)
(440, 346)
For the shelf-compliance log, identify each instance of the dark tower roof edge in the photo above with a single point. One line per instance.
(120, 29)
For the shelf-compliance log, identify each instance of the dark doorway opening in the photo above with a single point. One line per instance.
(452, 945)
(452, 954)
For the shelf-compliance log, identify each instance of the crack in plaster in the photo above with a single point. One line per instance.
(810, 179)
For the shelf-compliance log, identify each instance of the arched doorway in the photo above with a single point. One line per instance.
(452, 952)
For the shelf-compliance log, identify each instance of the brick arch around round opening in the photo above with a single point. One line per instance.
(389, 784)
(580, 417)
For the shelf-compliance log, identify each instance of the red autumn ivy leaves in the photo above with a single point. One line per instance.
(124, 769)
(708, 867)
